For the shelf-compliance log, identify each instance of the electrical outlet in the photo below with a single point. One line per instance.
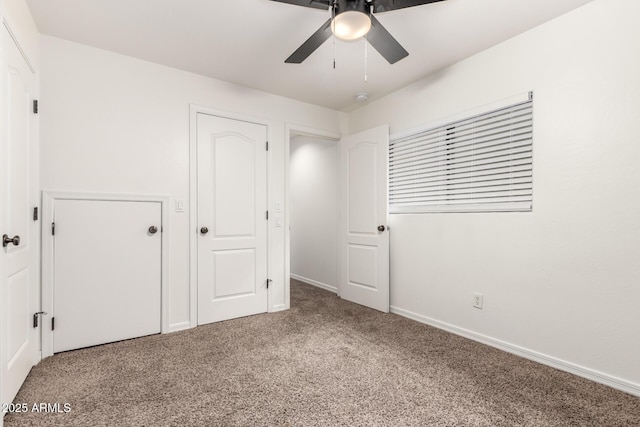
(477, 300)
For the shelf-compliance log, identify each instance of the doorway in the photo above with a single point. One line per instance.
(313, 208)
(361, 254)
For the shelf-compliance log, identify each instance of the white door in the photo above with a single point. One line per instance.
(232, 223)
(18, 186)
(107, 271)
(364, 238)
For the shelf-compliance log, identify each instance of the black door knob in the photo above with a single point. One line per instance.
(381, 228)
(15, 240)
(153, 229)
(204, 230)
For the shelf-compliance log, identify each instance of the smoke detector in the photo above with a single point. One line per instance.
(362, 96)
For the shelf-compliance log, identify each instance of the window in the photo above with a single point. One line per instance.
(478, 164)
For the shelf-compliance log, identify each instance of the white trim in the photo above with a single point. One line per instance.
(279, 307)
(18, 45)
(315, 283)
(2, 272)
(175, 327)
(316, 133)
(48, 202)
(194, 110)
(563, 365)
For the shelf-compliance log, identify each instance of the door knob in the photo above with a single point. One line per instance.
(381, 228)
(6, 240)
(153, 229)
(204, 230)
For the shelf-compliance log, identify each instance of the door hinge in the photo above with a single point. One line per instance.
(269, 282)
(267, 145)
(35, 318)
(35, 213)
(267, 215)
(53, 228)
(35, 106)
(53, 323)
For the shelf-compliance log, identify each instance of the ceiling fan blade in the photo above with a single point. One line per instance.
(311, 44)
(316, 4)
(387, 5)
(384, 42)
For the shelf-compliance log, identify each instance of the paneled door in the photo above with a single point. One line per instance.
(18, 186)
(364, 235)
(231, 219)
(107, 271)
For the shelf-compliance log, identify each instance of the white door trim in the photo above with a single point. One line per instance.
(194, 110)
(49, 198)
(316, 133)
(18, 45)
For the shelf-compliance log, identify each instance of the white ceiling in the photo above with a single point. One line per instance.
(247, 41)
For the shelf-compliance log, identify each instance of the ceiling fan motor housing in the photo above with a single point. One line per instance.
(341, 6)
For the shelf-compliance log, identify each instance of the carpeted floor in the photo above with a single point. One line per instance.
(324, 362)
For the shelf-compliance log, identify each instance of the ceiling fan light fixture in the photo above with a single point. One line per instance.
(351, 25)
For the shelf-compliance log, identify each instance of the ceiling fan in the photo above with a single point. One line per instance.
(352, 19)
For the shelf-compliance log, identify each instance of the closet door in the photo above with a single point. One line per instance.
(232, 222)
(107, 272)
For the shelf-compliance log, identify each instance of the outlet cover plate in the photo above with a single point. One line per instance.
(477, 300)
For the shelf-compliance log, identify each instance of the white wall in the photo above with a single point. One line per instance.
(313, 178)
(560, 284)
(112, 123)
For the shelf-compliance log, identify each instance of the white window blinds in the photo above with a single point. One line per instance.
(481, 163)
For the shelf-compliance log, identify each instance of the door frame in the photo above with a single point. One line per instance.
(49, 197)
(314, 133)
(194, 110)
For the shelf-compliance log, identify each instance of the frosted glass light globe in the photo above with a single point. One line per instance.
(351, 25)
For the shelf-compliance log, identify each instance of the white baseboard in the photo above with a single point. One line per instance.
(563, 365)
(315, 283)
(179, 327)
(279, 307)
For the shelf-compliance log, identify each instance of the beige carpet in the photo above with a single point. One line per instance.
(324, 362)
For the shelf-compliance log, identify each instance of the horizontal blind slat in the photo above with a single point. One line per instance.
(515, 170)
(477, 206)
(486, 177)
(421, 189)
(470, 146)
(462, 156)
(467, 163)
(464, 194)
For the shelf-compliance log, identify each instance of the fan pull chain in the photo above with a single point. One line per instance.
(365, 58)
(333, 20)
